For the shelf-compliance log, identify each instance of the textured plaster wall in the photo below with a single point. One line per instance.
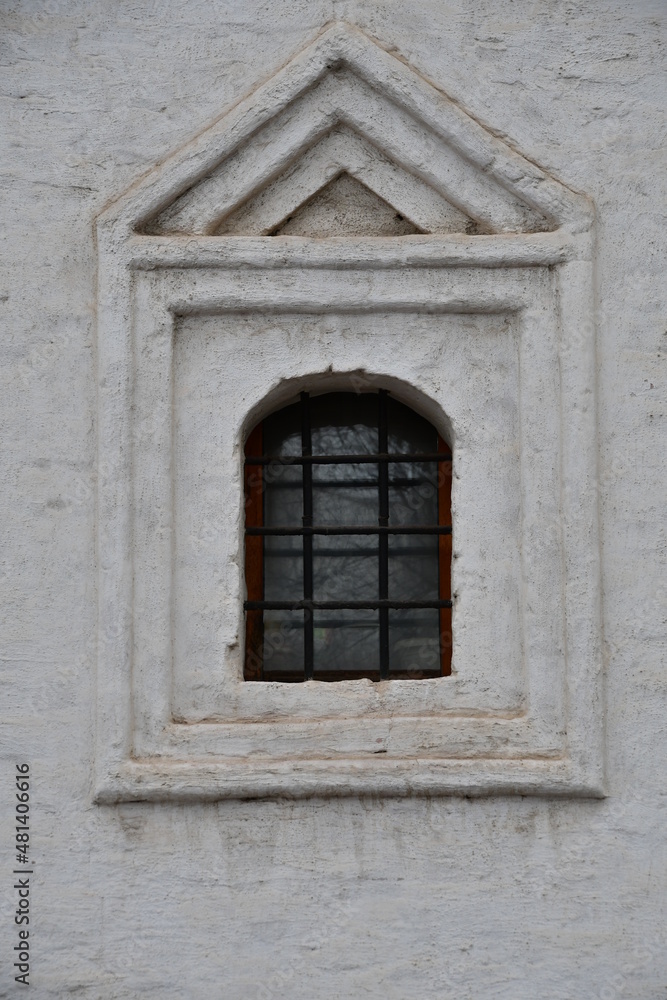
(510, 898)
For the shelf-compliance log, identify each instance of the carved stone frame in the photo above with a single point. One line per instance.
(550, 741)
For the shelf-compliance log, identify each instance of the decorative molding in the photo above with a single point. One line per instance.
(345, 85)
(197, 303)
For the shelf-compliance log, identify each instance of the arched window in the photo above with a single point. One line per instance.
(348, 542)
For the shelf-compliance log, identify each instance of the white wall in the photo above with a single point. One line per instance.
(512, 898)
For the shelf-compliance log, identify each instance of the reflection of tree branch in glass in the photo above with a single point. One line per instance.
(348, 542)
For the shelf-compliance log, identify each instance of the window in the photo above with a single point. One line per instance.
(348, 542)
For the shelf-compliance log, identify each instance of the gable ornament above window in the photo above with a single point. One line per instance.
(347, 430)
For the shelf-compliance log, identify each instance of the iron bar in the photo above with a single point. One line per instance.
(363, 459)
(368, 484)
(354, 529)
(383, 539)
(355, 552)
(307, 476)
(362, 623)
(343, 605)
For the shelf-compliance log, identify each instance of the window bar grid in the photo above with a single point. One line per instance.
(256, 603)
(307, 478)
(383, 538)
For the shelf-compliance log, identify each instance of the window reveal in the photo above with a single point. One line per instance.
(348, 542)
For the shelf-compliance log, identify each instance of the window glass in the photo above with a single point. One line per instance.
(354, 553)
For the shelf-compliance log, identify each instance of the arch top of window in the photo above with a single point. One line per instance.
(348, 542)
(349, 384)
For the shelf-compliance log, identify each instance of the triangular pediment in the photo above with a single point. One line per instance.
(347, 140)
(344, 207)
(313, 182)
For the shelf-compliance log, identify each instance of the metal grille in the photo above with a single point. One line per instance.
(307, 603)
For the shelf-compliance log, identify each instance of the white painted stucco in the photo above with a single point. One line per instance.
(428, 896)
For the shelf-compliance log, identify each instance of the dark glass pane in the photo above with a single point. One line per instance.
(283, 491)
(408, 432)
(346, 642)
(345, 494)
(414, 645)
(283, 568)
(283, 507)
(283, 496)
(413, 493)
(282, 431)
(344, 423)
(283, 645)
(413, 567)
(345, 567)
